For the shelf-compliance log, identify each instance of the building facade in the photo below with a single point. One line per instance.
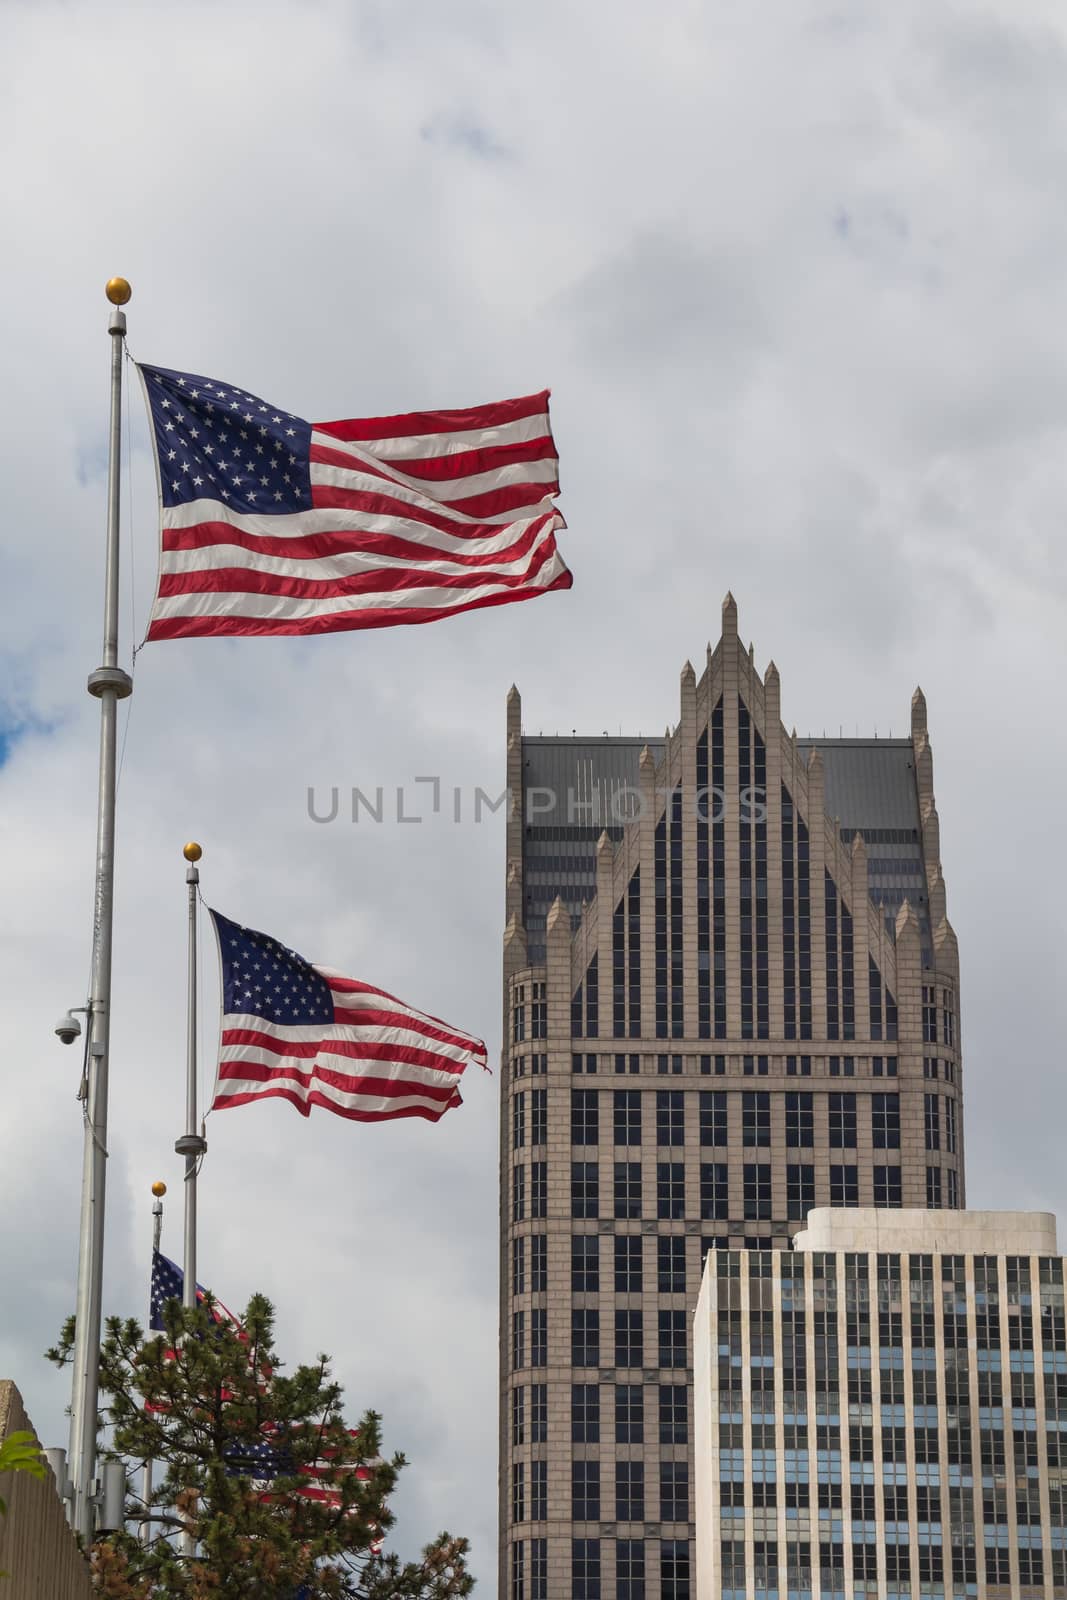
(731, 995)
(882, 1411)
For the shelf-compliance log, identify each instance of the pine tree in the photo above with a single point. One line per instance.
(238, 1444)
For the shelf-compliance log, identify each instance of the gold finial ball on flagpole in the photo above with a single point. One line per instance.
(159, 1189)
(118, 291)
(192, 851)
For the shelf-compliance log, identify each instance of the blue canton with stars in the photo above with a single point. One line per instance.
(261, 978)
(215, 442)
(256, 1458)
(167, 1283)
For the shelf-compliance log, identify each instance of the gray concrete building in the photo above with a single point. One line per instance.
(731, 995)
(882, 1411)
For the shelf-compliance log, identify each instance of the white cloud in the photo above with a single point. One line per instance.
(795, 277)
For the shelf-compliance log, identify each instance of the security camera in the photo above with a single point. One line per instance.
(68, 1028)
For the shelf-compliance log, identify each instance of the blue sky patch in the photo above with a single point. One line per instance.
(14, 727)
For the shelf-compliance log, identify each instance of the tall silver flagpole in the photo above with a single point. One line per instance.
(109, 684)
(159, 1189)
(192, 1144)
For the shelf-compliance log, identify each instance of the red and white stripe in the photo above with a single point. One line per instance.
(379, 1060)
(220, 1314)
(414, 518)
(311, 1484)
(312, 1474)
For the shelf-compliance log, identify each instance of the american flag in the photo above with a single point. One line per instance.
(269, 1455)
(274, 525)
(266, 1458)
(167, 1283)
(319, 1479)
(315, 1038)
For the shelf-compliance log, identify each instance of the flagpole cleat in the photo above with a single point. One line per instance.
(105, 678)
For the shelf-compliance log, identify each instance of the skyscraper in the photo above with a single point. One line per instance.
(882, 1411)
(731, 995)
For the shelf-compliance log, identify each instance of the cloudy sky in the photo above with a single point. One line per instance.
(795, 275)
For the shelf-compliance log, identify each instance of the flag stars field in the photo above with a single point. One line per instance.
(199, 452)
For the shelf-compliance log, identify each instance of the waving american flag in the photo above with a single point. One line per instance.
(168, 1282)
(267, 1453)
(315, 1038)
(275, 525)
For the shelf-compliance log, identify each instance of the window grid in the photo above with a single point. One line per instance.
(585, 1189)
(844, 1185)
(628, 1275)
(585, 1413)
(756, 1117)
(670, 1117)
(627, 1117)
(627, 1189)
(585, 1120)
(670, 1190)
(585, 1263)
(670, 1264)
(629, 1413)
(629, 1339)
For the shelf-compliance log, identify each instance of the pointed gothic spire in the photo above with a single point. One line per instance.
(907, 923)
(687, 706)
(559, 931)
(646, 773)
(515, 951)
(729, 617)
(816, 796)
(557, 912)
(514, 712)
(931, 830)
(918, 714)
(937, 899)
(946, 949)
(772, 697)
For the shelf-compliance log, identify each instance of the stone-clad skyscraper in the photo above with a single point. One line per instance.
(731, 995)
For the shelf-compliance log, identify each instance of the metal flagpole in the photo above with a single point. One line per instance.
(109, 684)
(159, 1189)
(192, 1144)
